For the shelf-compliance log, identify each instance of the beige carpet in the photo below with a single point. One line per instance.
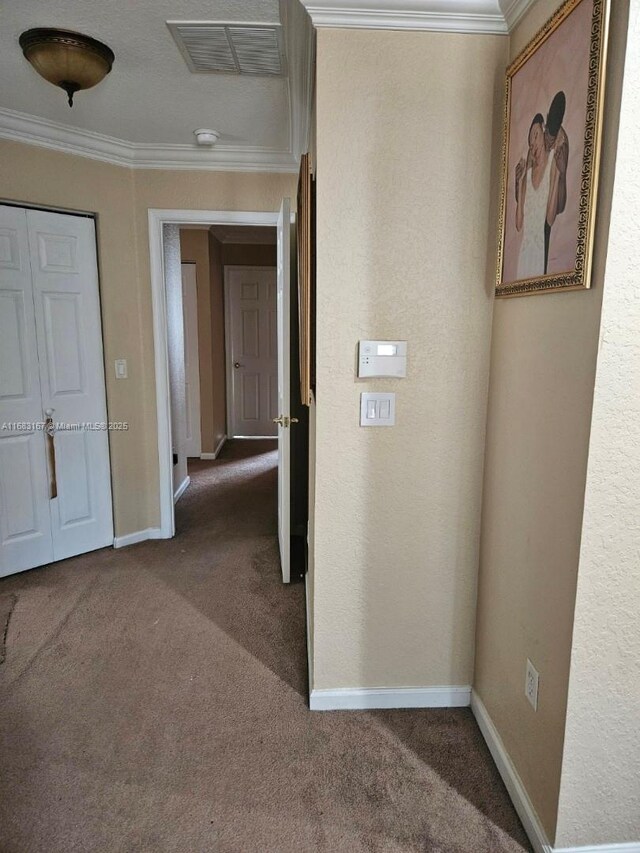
(154, 699)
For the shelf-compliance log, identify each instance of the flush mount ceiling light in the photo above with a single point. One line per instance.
(66, 59)
(206, 138)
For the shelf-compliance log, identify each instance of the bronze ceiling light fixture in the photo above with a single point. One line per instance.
(67, 59)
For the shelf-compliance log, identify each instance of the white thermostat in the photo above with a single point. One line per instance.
(382, 358)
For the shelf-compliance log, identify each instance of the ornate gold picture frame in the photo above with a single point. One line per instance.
(551, 153)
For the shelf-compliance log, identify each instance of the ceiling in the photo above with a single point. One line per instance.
(147, 108)
(144, 113)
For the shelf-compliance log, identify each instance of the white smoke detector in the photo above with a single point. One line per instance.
(206, 138)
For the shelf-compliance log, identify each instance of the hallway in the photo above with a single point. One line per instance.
(153, 700)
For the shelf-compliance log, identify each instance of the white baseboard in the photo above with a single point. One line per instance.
(632, 847)
(138, 536)
(369, 698)
(216, 452)
(256, 437)
(184, 485)
(519, 796)
(307, 600)
(510, 777)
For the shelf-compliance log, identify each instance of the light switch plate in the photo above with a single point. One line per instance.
(377, 409)
(121, 368)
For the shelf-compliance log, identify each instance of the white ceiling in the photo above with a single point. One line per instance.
(151, 99)
(144, 113)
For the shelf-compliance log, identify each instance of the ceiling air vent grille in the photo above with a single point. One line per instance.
(216, 48)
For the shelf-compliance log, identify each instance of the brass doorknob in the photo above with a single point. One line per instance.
(237, 364)
(285, 421)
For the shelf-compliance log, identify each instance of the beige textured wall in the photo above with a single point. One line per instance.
(543, 362)
(600, 791)
(405, 250)
(121, 198)
(218, 352)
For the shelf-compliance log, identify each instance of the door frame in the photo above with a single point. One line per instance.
(227, 341)
(159, 217)
(198, 396)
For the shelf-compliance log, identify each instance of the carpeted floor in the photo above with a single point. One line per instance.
(153, 700)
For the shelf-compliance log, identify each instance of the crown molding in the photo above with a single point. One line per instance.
(33, 130)
(514, 11)
(491, 17)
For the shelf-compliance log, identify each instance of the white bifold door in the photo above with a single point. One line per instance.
(55, 485)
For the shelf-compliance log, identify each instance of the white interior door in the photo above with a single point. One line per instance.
(252, 350)
(284, 387)
(64, 266)
(193, 443)
(54, 334)
(25, 522)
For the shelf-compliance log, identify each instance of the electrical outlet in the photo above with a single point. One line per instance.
(531, 685)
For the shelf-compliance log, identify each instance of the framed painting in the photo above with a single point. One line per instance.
(551, 153)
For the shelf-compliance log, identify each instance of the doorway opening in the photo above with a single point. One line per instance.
(224, 339)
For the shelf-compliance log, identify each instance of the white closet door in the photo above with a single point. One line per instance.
(25, 526)
(69, 335)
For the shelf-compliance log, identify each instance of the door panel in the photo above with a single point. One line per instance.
(18, 463)
(73, 478)
(250, 396)
(14, 357)
(250, 335)
(57, 252)
(69, 340)
(252, 351)
(25, 525)
(64, 342)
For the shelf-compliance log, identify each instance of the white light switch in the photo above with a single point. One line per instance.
(121, 368)
(377, 409)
